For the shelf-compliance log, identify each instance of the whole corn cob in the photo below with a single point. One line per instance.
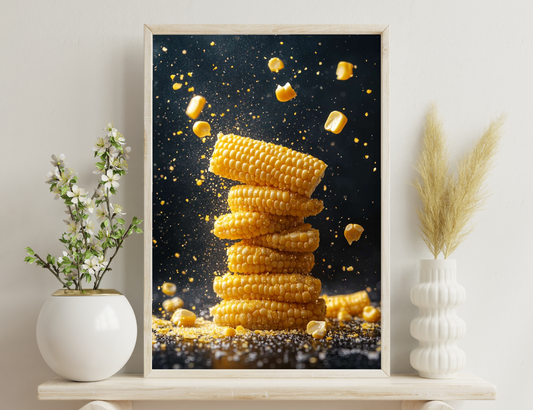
(266, 314)
(272, 200)
(353, 303)
(258, 259)
(303, 238)
(279, 287)
(246, 225)
(256, 162)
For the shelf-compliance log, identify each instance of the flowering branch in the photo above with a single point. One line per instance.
(85, 254)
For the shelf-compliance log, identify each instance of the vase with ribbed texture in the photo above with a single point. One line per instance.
(437, 327)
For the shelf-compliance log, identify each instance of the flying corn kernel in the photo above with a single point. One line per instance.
(371, 314)
(183, 317)
(266, 314)
(275, 64)
(353, 303)
(256, 162)
(290, 288)
(195, 107)
(201, 129)
(258, 259)
(168, 288)
(285, 93)
(170, 305)
(353, 232)
(317, 329)
(335, 122)
(344, 70)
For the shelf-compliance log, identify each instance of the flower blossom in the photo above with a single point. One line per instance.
(111, 132)
(53, 176)
(90, 205)
(91, 265)
(101, 214)
(118, 210)
(110, 179)
(77, 194)
(101, 145)
(120, 139)
(58, 161)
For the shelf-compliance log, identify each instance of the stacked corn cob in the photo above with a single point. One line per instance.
(270, 286)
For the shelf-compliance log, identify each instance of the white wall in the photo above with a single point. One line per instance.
(68, 67)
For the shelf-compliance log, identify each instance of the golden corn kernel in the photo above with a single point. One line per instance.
(371, 314)
(353, 232)
(170, 305)
(344, 316)
(303, 238)
(275, 64)
(246, 225)
(335, 122)
(195, 107)
(168, 288)
(285, 93)
(344, 70)
(201, 129)
(183, 317)
(317, 329)
(176, 86)
(353, 303)
(229, 332)
(240, 329)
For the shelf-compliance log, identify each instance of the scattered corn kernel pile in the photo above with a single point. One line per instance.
(269, 287)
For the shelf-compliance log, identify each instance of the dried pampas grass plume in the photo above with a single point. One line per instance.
(449, 201)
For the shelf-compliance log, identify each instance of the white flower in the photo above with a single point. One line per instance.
(114, 152)
(101, 214)
(64, 257)
(90, 205)
(101, 260)
(100, 194)
(119, 163)
(95, 243)
(111, 179)
(53, 176)
(66, 176)
(77, 194)
(89, 228)
(101, 145)
(58, 161)
(111, 132)
(126, 151)
(57, 191)
(120, 139)
(117, 209)
(72, 227)
(91, 265)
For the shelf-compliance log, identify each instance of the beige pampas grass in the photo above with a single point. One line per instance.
(449, 201)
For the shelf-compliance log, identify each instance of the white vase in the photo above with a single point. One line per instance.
(437, 327)
(86, 336)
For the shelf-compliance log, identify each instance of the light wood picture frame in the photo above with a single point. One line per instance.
(243, 115)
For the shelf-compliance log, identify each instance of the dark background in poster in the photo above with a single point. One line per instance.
(231, 72)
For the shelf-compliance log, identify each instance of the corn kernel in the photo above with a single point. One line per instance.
(168, 288)
(183, 317)
(285, 93)
(344, 316)
(275, 64)
(240, 328)
(171, 305)
(201, 129)
(229, 332)
(353, 232)
(371, 314)
(317, 329)
(344, 70)
(335, 122)
(176, 86)
(195, 107)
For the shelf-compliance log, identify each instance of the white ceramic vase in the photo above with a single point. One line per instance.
(437, 327)
(86, 336)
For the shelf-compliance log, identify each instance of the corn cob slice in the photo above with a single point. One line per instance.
(266, 314)
(256, 162)
(257, 259)
(303, 238)
(246, 225)
(353, 303)
(272, 200)
(279, 287)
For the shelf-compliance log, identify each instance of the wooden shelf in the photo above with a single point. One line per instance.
(397, 387)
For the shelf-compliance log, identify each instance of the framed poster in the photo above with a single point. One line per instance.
(249, 130)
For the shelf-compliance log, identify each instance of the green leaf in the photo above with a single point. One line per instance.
(130, 231)
(112, 190)
(30, 251)
(68, 201)
(64, 190)
(29, 259)
(49, 258)
(100, 165)
(39, 263)
(137, 229)
(88, 278)
(121, 221)
(69, 283)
